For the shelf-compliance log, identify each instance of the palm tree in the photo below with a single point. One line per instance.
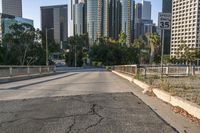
(154, 40)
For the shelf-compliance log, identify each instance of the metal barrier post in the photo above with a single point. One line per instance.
(40, 70)
(28, 70)
(11, 71)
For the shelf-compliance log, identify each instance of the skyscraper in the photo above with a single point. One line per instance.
(71, 15)
(185, 25)
(11, 7)
(92, 20)
(55, 17)
(128, 21)
(167, 8)
(139, 26)
(79, 19)
(114, 18)
(146, 10)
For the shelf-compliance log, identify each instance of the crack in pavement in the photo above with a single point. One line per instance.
(94, 112)
(91, 112)
(72, 125)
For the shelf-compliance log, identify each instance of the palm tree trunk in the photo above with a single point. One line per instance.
(152, 54)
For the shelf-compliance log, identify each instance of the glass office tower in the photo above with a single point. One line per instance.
(92, 20)
(114, 18)
(7, 20)
(79, 19)
(128, 15)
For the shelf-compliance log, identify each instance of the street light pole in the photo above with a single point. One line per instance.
(162, 52)
(47, 47)
(75, 57)
(47, 50)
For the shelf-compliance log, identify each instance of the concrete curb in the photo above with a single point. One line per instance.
(190, 107)
(139, 83)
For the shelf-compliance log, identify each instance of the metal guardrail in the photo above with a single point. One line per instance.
(15, 71)
(128, 69)
(156, 70)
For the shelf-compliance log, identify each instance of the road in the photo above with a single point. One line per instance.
(76, 102)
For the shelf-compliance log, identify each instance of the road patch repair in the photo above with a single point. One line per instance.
(179, 105)
(100, 113)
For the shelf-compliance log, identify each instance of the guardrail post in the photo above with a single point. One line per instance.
(40, 70)
(28, 70)
(193, 70)
(167, 70)
(54, 69)
(11, 71)
(48, 69)
(136, 70)
(187, 71)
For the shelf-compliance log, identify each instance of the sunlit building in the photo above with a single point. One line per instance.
(128, 19)
(79, 19)
(185, 25)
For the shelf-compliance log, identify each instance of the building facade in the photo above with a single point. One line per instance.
(11, 7)
(7, 20)
(79, 19)
(185, 25)
(146, 10)
(71, 16)
(167, 8)
(128, 19)
(55, 17)
(92, 20)
(139, 26)
(114, 18)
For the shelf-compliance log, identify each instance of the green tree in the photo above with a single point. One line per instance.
(187, 54)
(154, 41)
(80, 45)
(122, 38)
(22, 45)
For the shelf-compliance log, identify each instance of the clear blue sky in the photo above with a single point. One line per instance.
(31, 8)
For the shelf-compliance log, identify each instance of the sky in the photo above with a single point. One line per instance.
(31, 8)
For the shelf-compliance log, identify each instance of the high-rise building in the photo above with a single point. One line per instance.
(55, 17)
(79, 19)
(71, 15)
(167, 8)
(7, 20)
(185, 25)
(105, 21)
(92, 20)
(128, 21)
(139, 26)
(114, 18)
(11, 7)
(146, 10)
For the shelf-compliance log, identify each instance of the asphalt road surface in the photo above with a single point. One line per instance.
(76, 102)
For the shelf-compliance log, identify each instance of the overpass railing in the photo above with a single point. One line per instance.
(147, 70)
(15, 71)
(128, 69)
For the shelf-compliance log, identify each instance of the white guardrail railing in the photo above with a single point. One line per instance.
(15, 71)
(156, 70)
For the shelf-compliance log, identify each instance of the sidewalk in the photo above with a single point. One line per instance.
(164, 110)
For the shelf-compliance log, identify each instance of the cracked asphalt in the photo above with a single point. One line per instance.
(85, 102)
